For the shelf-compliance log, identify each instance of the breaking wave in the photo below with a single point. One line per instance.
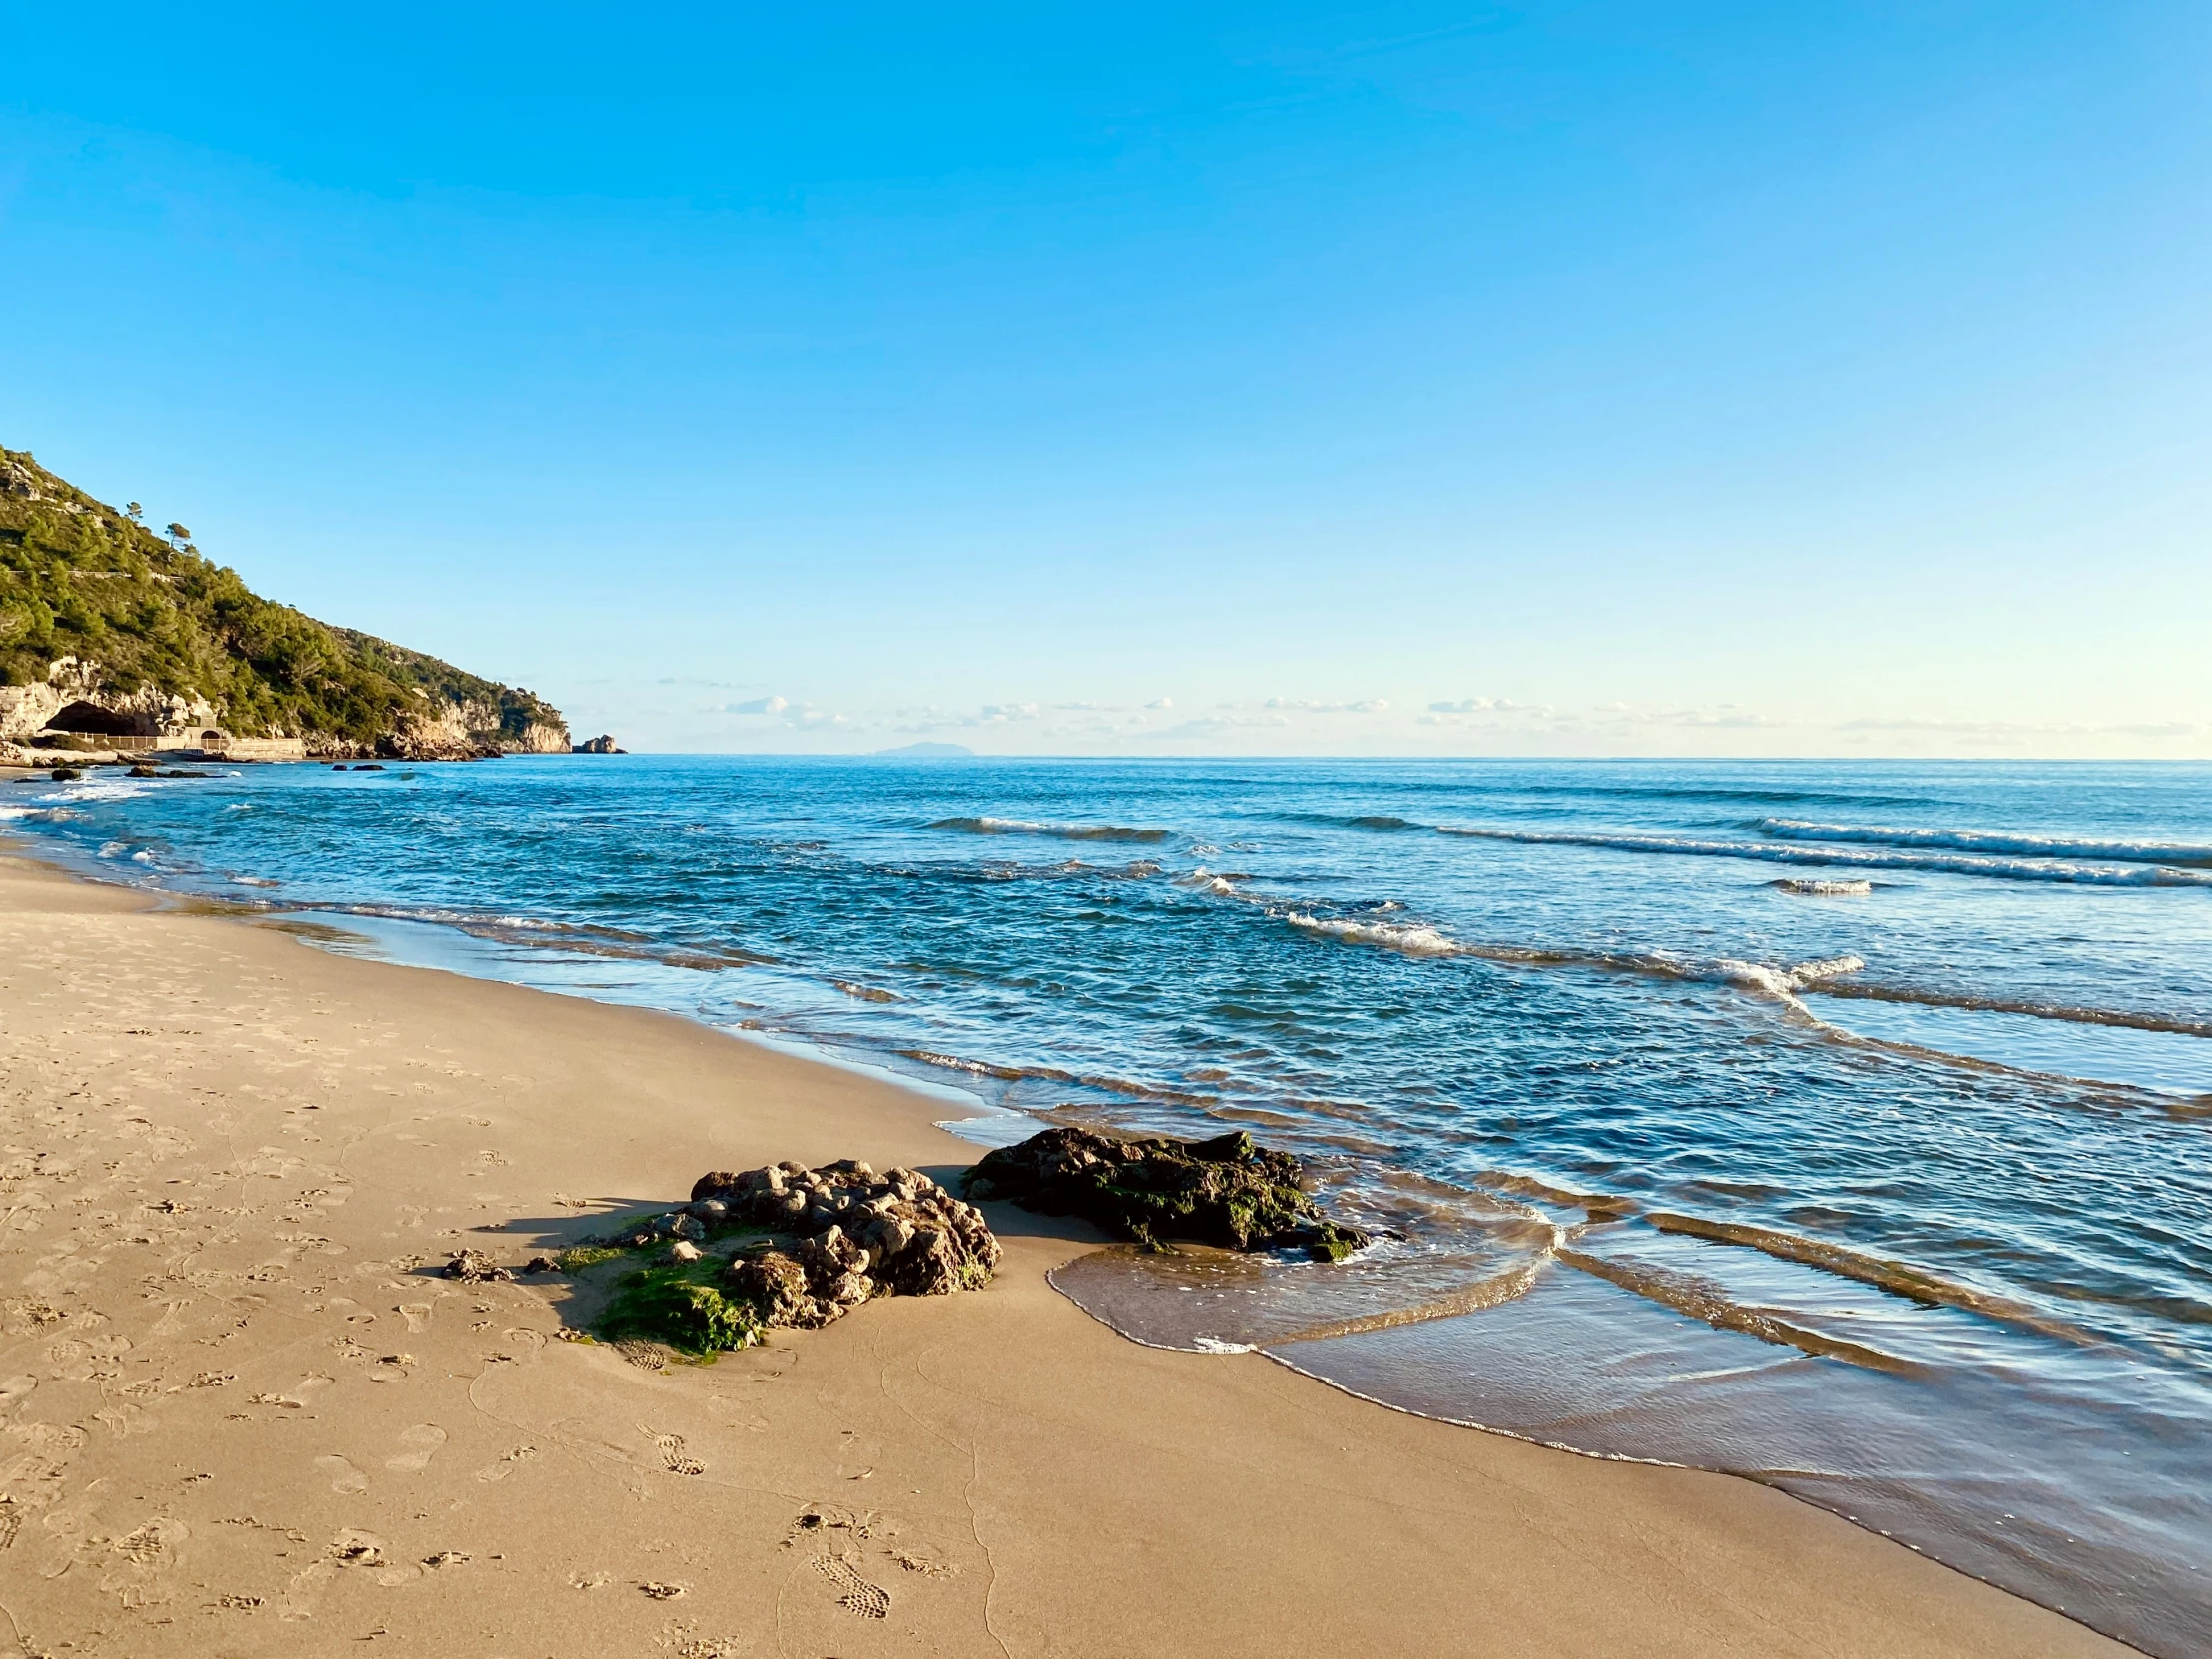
(1414, 939)
(2005, 869)
(1061, 831)
(1974, 841)
(1406, 941)
(1824, 889)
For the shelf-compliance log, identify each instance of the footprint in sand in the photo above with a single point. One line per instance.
(869, 1601)
(674, 1458)
(344, 1477)
(144, 1558)
(506, 1466)
(422, 1443)
(417, 1314)
(352, 1550)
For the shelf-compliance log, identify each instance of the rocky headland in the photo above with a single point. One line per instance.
(116, 640)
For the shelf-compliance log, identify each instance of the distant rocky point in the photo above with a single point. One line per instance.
(601, 744)
(115, 640)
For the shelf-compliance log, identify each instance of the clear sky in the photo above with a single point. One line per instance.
(1645, 376)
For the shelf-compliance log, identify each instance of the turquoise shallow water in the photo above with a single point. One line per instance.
(1843, 1125)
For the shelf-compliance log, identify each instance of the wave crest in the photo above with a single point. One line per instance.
(1978, 841)
(1406, 941)
(1061, 831)
(1999, 869)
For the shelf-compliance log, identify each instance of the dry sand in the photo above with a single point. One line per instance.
(239, 1414)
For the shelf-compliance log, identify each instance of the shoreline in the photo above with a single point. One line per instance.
(283, 1448)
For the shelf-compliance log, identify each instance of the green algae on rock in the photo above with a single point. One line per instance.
(780, 1246)
(1226, 1191)
(680, 1304)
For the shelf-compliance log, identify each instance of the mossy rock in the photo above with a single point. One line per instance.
(782, 1244)
(681, 1305)
(1227, 1191)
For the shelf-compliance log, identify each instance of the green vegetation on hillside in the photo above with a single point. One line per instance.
(78, 578)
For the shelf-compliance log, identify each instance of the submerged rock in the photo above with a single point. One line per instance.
(1226, 1191)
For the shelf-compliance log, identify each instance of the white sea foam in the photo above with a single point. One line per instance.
(1999, 869)
(1062, 831)
(1783, 984)
(98, 788)
(1977, 840)
(1805, 888)
(1205, 880)
(1408, 941)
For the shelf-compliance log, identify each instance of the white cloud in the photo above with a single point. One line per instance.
(1466, 706)
(1161, 703)
(756, 705)
(1306, 705)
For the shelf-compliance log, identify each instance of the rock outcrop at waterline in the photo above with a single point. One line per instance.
(1226, 1191)
(112, 632)
(782, 1244)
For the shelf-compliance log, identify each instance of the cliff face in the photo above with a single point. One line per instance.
(108, 629)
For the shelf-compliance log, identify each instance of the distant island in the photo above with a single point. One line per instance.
(115, 637)
(928, 752)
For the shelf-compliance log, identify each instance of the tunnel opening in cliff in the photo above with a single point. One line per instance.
(90, 719)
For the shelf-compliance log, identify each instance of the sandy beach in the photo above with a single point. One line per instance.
(242, 1414)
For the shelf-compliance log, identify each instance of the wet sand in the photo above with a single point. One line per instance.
(241, 1415)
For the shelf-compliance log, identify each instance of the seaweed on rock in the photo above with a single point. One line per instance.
(1226, 1191)
(784, 1246)
(679, 1302)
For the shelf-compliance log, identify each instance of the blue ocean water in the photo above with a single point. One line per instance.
(1843, 1125)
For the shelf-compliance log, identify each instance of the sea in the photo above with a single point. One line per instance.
(1840, 1125)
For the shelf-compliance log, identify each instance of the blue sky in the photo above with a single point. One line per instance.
(1634, 377)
